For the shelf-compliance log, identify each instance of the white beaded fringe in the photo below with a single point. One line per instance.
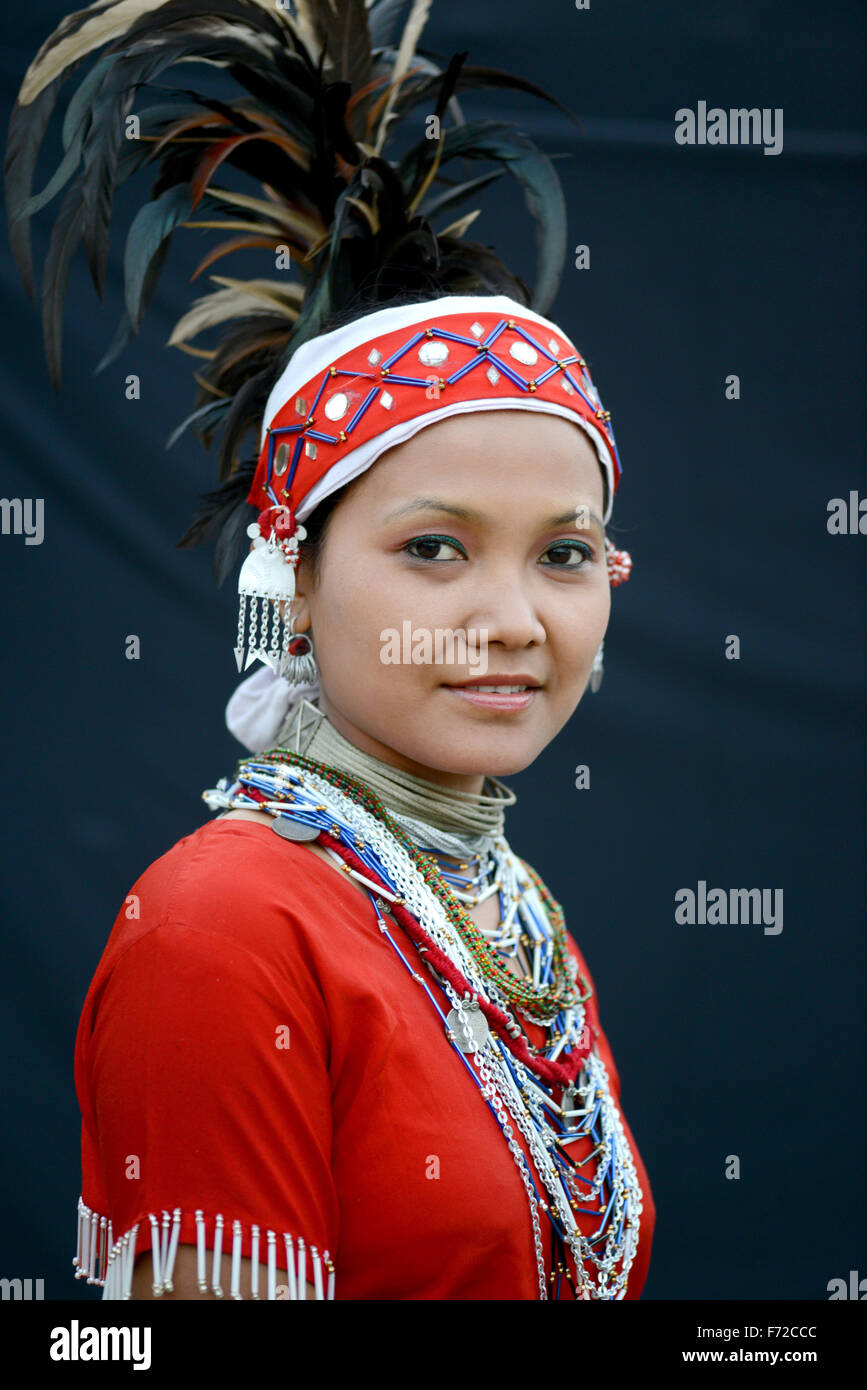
(100, 1259)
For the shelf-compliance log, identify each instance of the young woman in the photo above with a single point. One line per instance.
(340, 1043)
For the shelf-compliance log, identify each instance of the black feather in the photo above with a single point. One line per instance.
(316, 174)
(148, 237)
(233, 541)
(421, 87)
(202, 419)
(382, 17)
(65, 237)
(239, 420)
(27, 126)
(452, 198)
(226, 514)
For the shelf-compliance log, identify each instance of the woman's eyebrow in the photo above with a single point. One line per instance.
(572, 516)
(436, 504)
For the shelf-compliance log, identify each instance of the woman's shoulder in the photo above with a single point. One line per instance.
(233, 880)
(226, 854)
(214, 947)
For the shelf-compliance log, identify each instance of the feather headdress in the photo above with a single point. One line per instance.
(324, 93)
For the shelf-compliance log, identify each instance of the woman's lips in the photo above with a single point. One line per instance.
(496, 700)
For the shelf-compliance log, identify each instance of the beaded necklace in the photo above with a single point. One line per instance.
(543, 1001)
(405, 887)
(475, 881)
(454, 826)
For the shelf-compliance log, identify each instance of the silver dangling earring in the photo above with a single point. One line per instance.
(298, 666)
(596, 670)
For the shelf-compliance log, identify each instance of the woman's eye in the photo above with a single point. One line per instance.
(564, 554)
(570, 555)
(426, 547)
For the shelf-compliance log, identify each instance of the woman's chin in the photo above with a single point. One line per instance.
(492, 752)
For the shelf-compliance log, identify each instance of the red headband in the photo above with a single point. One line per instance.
(442, 362)
(347, 396)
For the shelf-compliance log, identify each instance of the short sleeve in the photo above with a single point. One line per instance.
(202, 1073)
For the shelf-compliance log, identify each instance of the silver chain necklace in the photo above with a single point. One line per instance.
(587, 1107)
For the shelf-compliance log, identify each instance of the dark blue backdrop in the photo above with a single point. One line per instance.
(750, 773)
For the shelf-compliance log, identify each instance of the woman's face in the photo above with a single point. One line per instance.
(471, 526)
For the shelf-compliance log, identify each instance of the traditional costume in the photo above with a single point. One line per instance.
(352, 1090)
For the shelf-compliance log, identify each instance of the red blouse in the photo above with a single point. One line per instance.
(251, 1047)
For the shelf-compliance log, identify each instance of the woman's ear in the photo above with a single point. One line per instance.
(298, 608)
